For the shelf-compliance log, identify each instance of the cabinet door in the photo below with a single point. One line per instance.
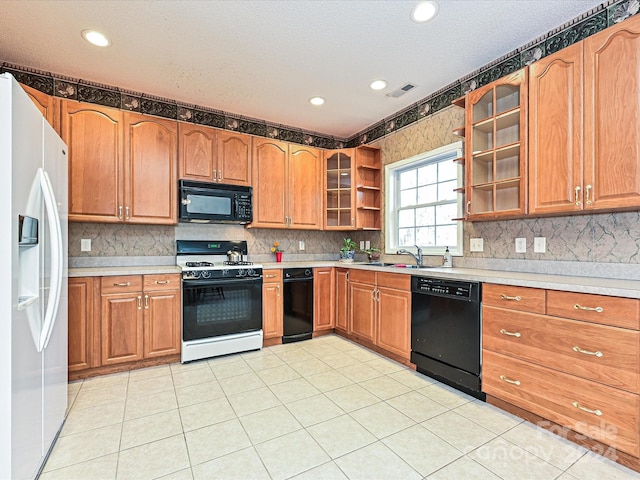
(272, 304)
(323, 300)
(151, 159)
(46, 104)
(612, 110)
(342, 298)
(304, 188)
(555, 132)
(339, 200)
(93, 135)
(269, 181)
(121, 318)
(496, 177)
(81, 324)
(362, 310)
(393, 332)
(234, 158)
(161, 323)
(197, 152)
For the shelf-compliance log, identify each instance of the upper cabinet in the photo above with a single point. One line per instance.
(46, 104)
(287, 185)
(496, 148)
(584, 138)
(352, 185)
(122, 166)
(210, 155)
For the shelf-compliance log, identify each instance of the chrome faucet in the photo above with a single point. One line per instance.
(418, 257)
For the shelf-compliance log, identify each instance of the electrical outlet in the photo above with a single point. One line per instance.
(85, 244)
(476, 245)
(301, 245)
(361, 244)
(539, 244)
(367, 245)
(521, 245)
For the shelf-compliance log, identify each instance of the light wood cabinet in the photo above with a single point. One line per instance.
(573, 359)
(272, 315)
(323, 299)
(380, 310)
(151, 158)
(122, 165)
(496, 148)
(47, 104)
(584, 144)
(82, 352)
(162, 315)
(342, 299)
(208, 154)
(352, 189)
(287, 183)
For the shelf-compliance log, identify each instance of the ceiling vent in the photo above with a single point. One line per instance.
(401, 91)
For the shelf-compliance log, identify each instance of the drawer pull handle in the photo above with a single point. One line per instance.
(139, 302)
(577, 194)
(517, 298)
(508, 380)
(597, 411)
(587, 352)
(123, 284)
(272, 275)
(512, 334)
(162, 282)
(588, 309)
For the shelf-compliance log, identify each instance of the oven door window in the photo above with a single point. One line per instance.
(215, 308)
(209, 204)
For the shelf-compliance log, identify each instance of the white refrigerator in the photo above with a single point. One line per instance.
(33, 284)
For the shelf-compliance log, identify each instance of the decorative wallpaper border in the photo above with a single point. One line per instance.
(597, 19)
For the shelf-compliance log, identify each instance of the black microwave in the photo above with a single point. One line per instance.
(202, 202)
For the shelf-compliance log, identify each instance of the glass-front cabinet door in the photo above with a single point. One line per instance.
(339, 214)
(496, 148)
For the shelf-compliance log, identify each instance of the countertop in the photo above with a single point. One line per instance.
(600, 286)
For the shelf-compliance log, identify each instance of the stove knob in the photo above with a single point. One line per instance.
(251, 272)
(308, 272)
(241, 273)
(206, 274)
(195, 274)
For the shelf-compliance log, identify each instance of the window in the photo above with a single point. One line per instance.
(421, 202)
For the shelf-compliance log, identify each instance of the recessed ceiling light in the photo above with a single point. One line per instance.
(424, 11)
(378, 84)
(316, 101)
(96, 38)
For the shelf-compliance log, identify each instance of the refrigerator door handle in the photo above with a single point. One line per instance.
(55, 233)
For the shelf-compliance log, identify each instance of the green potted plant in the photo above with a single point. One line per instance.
(348, 250)
(373, 254)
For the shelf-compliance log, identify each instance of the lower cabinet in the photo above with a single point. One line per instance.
(119, 320)
(323, 299)
(272, 304)
(380, 310)
(571, 358)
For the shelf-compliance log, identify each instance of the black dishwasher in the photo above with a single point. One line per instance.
(297, 304)
(446, 332)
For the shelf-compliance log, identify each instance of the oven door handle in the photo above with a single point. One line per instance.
(226, 281)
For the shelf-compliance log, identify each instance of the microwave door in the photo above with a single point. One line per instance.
(207, 207)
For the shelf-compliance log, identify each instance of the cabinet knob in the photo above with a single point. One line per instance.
(123, 284)
(508, 380)
(468, 208)
(146, 302)
(120, 212)
(587, 195)
(126, 213)
(162, 282)
(596, 411)
(588, 309)
(577, 196)
(597, 353)
(139, 302)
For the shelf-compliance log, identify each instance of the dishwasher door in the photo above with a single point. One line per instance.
(297, 304)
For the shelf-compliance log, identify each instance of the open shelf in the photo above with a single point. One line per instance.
(460, 102)
(460, 131)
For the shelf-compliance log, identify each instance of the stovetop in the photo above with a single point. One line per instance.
(208, 259)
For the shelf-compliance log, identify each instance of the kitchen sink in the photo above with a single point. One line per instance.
(404, 265)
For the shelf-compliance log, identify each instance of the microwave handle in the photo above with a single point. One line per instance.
(235, 206)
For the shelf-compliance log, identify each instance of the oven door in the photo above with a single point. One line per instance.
(211, 308)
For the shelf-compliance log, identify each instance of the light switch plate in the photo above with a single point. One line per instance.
(521, 245)
(367, 244)
(476, 245)
(85, 244)
(301, 245)
(539, 244)
(361, 244)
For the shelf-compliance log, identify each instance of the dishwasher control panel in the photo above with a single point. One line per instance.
(445, 288)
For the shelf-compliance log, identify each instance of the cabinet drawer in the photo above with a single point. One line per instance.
(121, 284)
(271, 276)
(362, 276)
(604, 413)
(516, 298)
(167, 281)
(621, 312)
(398, 281)
(601, 353)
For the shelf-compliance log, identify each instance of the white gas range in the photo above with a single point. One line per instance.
(221, 300)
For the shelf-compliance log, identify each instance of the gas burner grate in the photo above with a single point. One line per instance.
(199, 264)
(241, 263)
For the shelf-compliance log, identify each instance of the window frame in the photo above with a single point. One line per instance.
(444, 153)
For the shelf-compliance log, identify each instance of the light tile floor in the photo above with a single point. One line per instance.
(321, 409)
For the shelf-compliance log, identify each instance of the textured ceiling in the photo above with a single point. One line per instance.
(265, 58)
